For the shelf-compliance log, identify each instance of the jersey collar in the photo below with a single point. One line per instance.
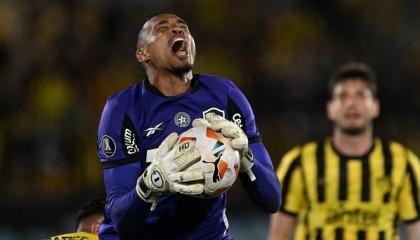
(344, 156)
(155, 90)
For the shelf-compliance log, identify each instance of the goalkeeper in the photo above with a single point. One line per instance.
(150, 193)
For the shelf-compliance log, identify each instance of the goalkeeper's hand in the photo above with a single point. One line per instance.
(239, 139)
(167, 173)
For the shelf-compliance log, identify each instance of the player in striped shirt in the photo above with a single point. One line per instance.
(352, 185)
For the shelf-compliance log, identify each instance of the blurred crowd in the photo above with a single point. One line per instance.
(60, 60)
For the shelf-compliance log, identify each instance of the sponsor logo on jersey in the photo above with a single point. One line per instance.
(353, 216)
(238, 119)
(182, 119)
(215, 111)
(108, 146)
(152, 130)
(130, 141)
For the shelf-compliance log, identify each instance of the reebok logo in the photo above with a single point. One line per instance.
(152, 130)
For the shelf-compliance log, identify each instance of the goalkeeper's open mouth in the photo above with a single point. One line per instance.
(179, 46)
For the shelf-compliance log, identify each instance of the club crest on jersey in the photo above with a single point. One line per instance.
(108, 146)
(182, 119)
(215, 111)
(130, 142)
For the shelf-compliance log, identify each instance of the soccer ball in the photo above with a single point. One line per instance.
(219, 160)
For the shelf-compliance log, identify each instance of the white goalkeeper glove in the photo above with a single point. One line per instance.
(167, 171)
(239, 139)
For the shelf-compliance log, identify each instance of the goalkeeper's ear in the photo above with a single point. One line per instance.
(142, 55)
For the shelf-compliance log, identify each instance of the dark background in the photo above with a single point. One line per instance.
(60, 60)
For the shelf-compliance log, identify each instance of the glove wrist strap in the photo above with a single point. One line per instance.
(143, 191)
(249, 159)
(249, 156)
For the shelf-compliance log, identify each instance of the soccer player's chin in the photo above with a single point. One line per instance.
(181, 69)
(177, 66)
(353, 130)
(182, 63)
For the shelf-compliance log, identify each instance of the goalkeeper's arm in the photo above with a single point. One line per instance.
(126, 209)
(265, 191)
(129, 204)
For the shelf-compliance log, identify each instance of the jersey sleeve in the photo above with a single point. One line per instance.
(117, 141)
(240, 112)
(289, 172)
(119, 154)
(265, 190)
(409, 199)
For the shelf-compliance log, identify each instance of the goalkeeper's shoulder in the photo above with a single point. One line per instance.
(126, 98)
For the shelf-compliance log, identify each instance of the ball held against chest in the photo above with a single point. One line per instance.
(219, 160)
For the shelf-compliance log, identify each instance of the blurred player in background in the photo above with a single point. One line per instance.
(352, 185)
(88, 220)
(149, 115)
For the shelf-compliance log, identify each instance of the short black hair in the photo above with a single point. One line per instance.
(89, 208)
(139, 36)
(357, 70)
(145, 20)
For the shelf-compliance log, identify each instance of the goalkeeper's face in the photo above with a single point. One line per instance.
(167, 44)
(352, 106)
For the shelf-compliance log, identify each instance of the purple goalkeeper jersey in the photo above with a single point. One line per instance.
(133, 124)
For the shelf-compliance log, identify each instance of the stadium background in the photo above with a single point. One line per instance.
(60, 60)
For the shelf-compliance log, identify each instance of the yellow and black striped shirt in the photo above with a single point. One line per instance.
(75, 236)
(350, 197)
